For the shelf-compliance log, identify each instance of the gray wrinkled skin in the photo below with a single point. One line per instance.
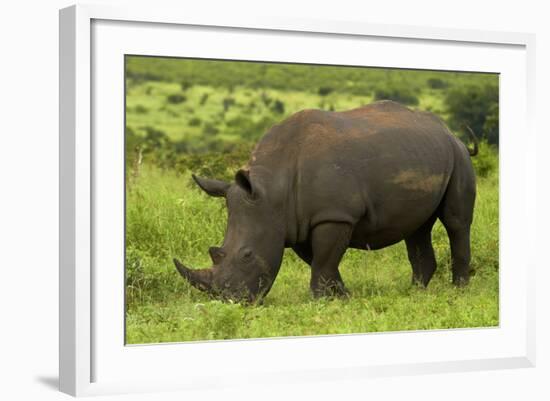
(321, 182)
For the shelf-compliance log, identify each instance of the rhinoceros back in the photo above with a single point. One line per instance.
(382, 168)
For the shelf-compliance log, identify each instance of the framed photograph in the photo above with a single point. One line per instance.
(290, 200)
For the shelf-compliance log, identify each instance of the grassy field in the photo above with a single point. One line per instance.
(184, 117)
(206, 106)
(167, 216)
(147, 106)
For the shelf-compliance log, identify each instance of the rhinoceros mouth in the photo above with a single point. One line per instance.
(203, 280)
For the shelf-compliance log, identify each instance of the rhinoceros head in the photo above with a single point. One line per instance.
(246, 265)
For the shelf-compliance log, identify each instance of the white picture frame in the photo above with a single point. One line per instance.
(91, 362)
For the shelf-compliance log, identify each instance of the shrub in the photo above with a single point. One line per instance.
(238, 121)
(176, 99)
(437, 83)
(155, 146)
(278, 107)
(133, 144)
(228, 102)
(402, 95)
(204, 99)
(490, 127)
(210, 130)
(325, 90)
(181, 146)
(195, 122)
(185, 85)
(266, 99)
(221, 164)
(139, 109)
(486, 161)
(155, 139)
(361, 89)
(476, 106)
(248, 129)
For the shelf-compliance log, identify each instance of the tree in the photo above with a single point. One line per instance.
(476, 106)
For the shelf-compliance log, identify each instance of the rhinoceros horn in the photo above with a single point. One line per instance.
(200, 279)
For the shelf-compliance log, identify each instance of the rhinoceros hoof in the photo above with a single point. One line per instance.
(461, 281)
(332, 289)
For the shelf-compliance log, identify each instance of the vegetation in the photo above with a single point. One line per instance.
(476, 106)
(398, 94)
(204, 117)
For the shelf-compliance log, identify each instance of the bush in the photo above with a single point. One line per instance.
(195, 122)
(155, 139)
(266, 99)
(437, 83)
(238, 121)
(325, 90)
(402, 95)
(228, 102)
(278, 107)
(490, 127)
(251, 106)
(210, 130)
(204, 99)
(486, 161)
(139, 109)
(360, 89)
(185, 85)
(133, 144)
(221, 165)
(476, 106)
(248, 129)
(176, 99)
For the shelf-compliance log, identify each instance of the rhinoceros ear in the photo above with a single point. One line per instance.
(212, 187)
(242, 178)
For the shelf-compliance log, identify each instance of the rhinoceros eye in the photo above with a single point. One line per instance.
(247, 253)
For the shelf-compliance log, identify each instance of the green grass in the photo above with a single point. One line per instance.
(167, 216)
(200, 116)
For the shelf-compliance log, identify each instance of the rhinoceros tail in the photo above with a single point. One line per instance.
(474, 139)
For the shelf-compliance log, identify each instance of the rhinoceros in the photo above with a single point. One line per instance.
(321, 182)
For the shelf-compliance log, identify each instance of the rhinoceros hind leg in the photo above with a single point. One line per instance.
(421, 254)
(329, 242)
(460, 254)
(457, 211)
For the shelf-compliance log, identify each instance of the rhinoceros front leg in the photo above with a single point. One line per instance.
(329, 242)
